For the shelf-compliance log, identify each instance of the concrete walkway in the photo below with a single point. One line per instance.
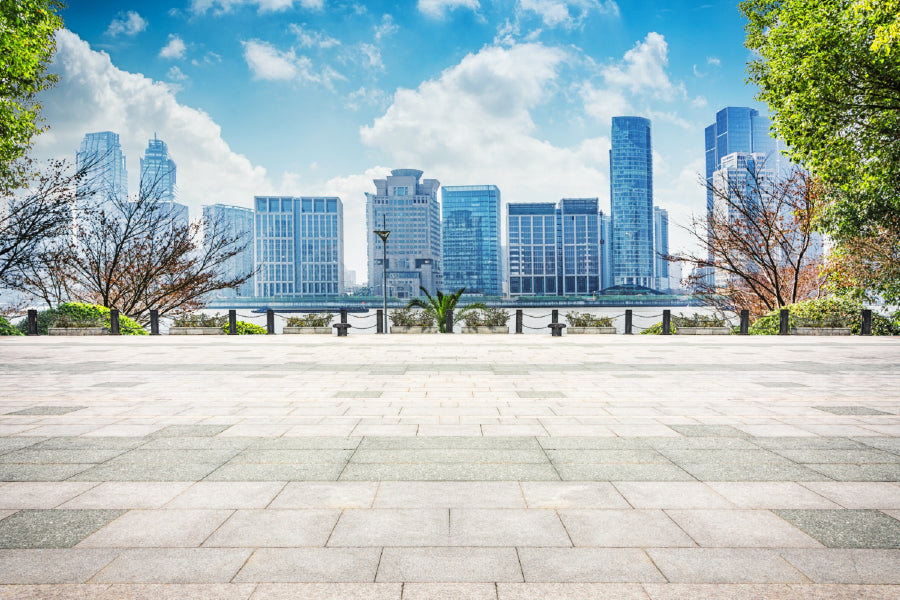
(501, 467)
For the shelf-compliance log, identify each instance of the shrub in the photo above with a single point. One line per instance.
(64, 320)
(200, 320)
(485, 317)
(245, 328)
(311, 320)
(826, 312)
(7, 329)
(406, 317)
(697, 320)
(656, 329)
(81, 312)
(576, 319)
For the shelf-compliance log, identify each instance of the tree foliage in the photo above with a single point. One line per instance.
(440, 305)
(80, 311)
(843, 311)
(27, 43)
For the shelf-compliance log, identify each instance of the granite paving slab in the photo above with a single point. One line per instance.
(847, 566)
(847, 528)
(52, 566)
(174, 565)
(32, 494)
(52, 528)
(274, 528)
(158, 528)
(587, 565)
(315, 494)
(724, 565)
(855, 494)
(461, 565)
(623, 528)
(189, 431)
(47, 410)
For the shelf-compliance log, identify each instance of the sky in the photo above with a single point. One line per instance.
(316, 97)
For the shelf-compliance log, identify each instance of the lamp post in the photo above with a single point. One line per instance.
(383, 233)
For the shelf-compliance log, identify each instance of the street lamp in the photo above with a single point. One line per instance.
(383, 233)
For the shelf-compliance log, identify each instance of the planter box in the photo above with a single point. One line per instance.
(307, 330)
(487, 329)
(78, 331)
(403, 329)
(703, 330)
(196, 331)
(577, 330)
(821, 331)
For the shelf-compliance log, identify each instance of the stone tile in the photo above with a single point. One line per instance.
(724, 565)
(146, 472)
(124, 430)
(274, 472)
(570, 591)
(593, 495)
(9, 444)
(47, 410)
(623, 528)
(587, 565)
(456, 565)
(592, 443)
(526, 527)
(174, 591)
(127, 495)
(327, 591)
(626, 456)
(449, 472)
(425, 443)
(851, 410)
(847, 528)
(158, 528)
(32, 472)
(73, 565)
(59, 591)
(765, 494)
(449, 455)
(227, 494)
(87, 443)
(311, 565)
(441, 494)
(808, 443)
(621, 472)
(712, 591)
(39, 494)
(142, 456)
(740, 529)
(831, 455)
(292, 456)
(770, 471)
(682, 456)
(702, 443)
(274, 528)
(52, 528)
(313, 494)
(174, 565)
(196, 443)
(449, 591)
(846, 591)
(47, 456)
(857, 494)
(196, 430)
(708, 431)
(304, 443)
(392, 527)
(867, 472)
(847, 566)
(671, 494)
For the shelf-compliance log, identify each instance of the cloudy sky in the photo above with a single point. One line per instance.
(304, 97)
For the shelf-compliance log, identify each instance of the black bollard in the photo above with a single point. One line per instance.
(518, 320)
(154, 322)
(628, 322)
(32, 322)
(866, 328)
(745, 322)
(344, 316)
(114, 322)
(379, 321)
(667, 319)
(554, 316)
(232, 322)
(784, 322)
(449, 322)
(270, 322)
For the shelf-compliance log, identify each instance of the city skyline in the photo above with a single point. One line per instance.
(499, 92)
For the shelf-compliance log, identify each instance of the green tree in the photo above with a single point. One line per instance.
(441, 304)
(27, 43)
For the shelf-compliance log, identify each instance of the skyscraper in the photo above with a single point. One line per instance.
(407, 206)
(631, 201)
(661, 247)
(604, 227)
(299, 246)
(101, 160)
(234, 222)
(157, 172)
(471, 238)
(532, 249)
(579, 263)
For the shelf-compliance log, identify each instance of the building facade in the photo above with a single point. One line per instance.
(100, 159)
(157, 172)
(533, 263)
(631, 202)
(408, 207)
(604, 228)
(470, 239)
(299, 246)
(661, 247)
(579, 244)
(235, 222)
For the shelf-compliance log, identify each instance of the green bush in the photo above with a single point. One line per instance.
(200, 320)
(485, 317)
(826, 312)
(406, 317)
(656, 329)
(81, 312)
(575, 319)
(7, 329)
(311, 320)
(697, 320)
(245, 328)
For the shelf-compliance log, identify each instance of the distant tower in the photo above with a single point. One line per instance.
(234, 222)
(661, 247)
(471, 238)
(409, 208)
(101, 160)
(533, 263)
(631, 201)
(604, 226)
(579, 261)
(157, 172)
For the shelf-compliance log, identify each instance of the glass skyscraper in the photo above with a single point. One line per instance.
(631, 201)
(604, 226)
(407, 206)
(661, 247)
(233, 222)
(579, 246)
(532, 249)
(471, 238)
(299, 246)
(157, 172)
(101, 159)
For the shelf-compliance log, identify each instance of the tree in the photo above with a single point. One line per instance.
(758, 241)
(27, 43)
(441, 304)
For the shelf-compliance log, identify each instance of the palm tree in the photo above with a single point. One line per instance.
(441, 305)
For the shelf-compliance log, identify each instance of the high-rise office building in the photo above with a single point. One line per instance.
(661, 247)
(579, 244)
(604, 227)
(532, 249)
(235, 222)
(471, 238)
(407, 206)
(157, 172)
(631, 201)
(102, 163)
(299, 246)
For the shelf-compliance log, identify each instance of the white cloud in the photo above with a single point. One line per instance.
(644, 69)
(603, 104)
(371, 56)
(699, 102)
(567, 13)
(436, 9)
(174, 49)
(94, 95)
(366, 96)
(176, 74)
(130, 24)
(714, 61)
(386, 28)
(309, 39)
(267, 62)
(225, 6)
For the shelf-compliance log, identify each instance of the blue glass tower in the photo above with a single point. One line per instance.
(631, 201)
(661, 247)
(158, 172)
(471, 238)
(532, 249)
(299, 246)
(101, 159)
(579, 245)
(233, 222)
(604, 225)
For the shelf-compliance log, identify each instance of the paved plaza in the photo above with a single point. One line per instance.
(450, 467)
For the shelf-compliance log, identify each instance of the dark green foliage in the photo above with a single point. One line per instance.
(441, 304)
(656, 329)
(405, 317)
(576, 319)
(7, 329)
(201, 320)
(484, 317)
(245, 328)
(698, 320)
(311, 320)
(826, 312)
(81, 312)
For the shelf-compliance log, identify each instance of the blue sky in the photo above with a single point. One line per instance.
(319, 96)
